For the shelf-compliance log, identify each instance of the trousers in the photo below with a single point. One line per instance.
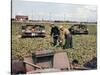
(68, 41)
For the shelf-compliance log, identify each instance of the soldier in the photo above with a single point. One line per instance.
(55, 34)
(61, 37)
(68, 38)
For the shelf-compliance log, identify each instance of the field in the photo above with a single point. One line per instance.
(84, 45)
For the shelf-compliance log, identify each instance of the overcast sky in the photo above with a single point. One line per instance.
(54, 11)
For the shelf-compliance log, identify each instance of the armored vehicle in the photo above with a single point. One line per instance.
(43, 61)
(33, 31)
(78, 29)
(40, 62)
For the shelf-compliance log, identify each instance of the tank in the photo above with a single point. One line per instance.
(78, 29)
(41, 61)
(33, 31)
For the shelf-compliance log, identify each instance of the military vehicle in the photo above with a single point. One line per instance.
(78, 29)
(42, 61)
(33, 31)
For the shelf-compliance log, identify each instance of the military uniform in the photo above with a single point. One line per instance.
(65, 34)
(55, 34)
(68, 39)
(61, 38)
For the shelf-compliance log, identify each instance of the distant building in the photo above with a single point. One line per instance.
(12, 19)
(21, 18)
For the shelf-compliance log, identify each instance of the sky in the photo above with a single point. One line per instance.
(54, 11)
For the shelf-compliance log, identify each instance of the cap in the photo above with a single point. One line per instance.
(61, 27)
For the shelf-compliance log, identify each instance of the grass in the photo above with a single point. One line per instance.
(84, 45)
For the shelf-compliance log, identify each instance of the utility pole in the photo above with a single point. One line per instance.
(32, 14)
(64, 17)
(49, 16)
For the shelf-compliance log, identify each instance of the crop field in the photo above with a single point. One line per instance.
(84, 45)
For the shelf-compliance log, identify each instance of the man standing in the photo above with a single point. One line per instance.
(55, 34)
(68, 38)
(61, 38)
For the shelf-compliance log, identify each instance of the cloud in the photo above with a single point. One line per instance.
(91, 8)
(20, 13)
(84, 13)
(55, 11)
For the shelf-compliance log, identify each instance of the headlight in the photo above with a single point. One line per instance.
(23, 30)
(43, 31)
(33, 34)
